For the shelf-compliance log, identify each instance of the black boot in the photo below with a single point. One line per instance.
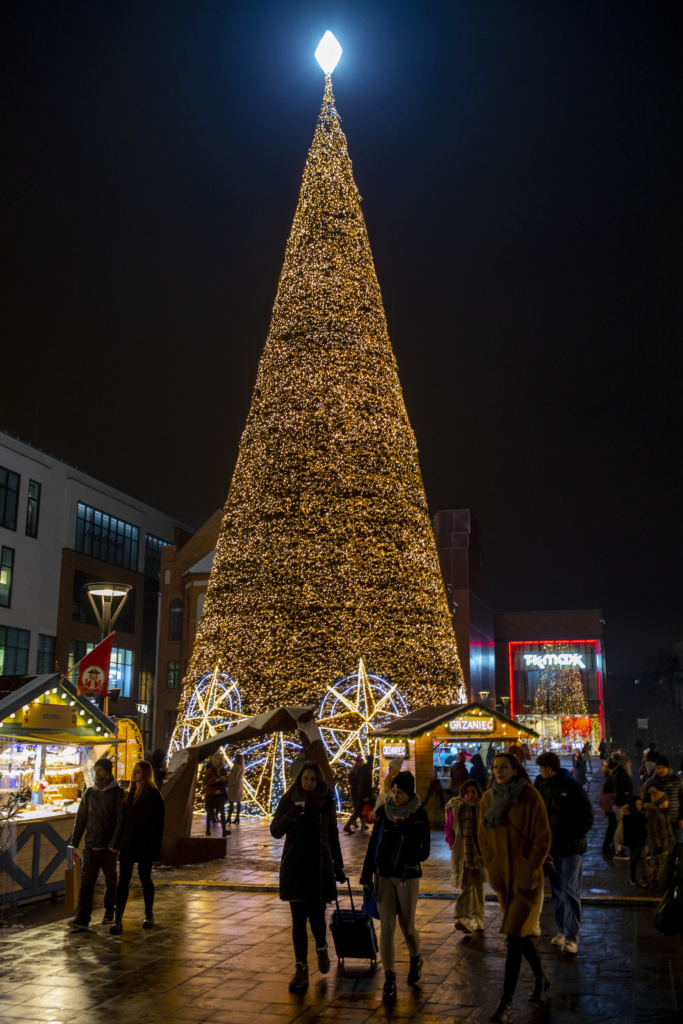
(540, 990)
(503, 1012)
(299, 980)
(415, 969)
(149, 919)
(108, 917)
(117, 926)
(389, 990)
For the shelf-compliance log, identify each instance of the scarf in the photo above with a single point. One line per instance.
(106, 783)
(404, 811)
(467, 820)
(503, 799)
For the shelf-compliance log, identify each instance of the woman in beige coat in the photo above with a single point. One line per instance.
(514, 839)
(236, 787)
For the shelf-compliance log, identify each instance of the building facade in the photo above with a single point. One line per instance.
(59, 530)
(550, 674)
(462, 567)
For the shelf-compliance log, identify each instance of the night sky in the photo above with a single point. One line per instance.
(520, 167)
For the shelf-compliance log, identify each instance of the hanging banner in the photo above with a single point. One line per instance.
(93, 671)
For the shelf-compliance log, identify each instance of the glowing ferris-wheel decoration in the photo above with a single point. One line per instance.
(351, 708)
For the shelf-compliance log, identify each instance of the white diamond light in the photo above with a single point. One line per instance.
(328, 53)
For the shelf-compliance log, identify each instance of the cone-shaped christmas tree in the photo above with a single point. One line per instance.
(326, 553)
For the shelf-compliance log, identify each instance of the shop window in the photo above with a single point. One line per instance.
(107, 538)
(169, 723)
(14, 644)
(153, 549)
(120, 666)
(175, 620)
(6, 575)
(33, 508)
(173, 677)
(45, 662)
(9, 498)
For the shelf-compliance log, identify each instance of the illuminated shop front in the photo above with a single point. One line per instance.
(556, 688)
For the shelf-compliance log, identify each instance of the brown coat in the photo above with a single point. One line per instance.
(513, 855)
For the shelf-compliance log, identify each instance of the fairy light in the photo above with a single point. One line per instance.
(326, 551)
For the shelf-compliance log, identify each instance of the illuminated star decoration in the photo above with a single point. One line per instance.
(213, 706)
(353, 707)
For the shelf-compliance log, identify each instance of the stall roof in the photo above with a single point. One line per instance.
(18, 691)
(428, 718)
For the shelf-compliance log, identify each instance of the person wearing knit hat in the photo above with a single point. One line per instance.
(665, 781)
(399, 842)
(659, 831)
(96, 820)
(393, 769)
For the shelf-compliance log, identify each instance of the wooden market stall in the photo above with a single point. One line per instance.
(50, 739)
(434, 735)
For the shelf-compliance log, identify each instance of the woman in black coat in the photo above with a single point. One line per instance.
(137, 839)
(311, 862)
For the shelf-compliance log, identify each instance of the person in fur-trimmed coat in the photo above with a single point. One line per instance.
(514, 839)
(467, 866)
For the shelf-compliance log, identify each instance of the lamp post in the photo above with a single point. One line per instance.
(103, 598)
(505, 701)
(483, 695)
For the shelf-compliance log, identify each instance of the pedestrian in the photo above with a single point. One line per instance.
(157, 759)
(236, 788)
(360, 785)
(478, 772)
(215, 783)
(623, 790)
(578, 767)
(635, 837)
(490, 754)
(570, 815)
(514, 839)
(602, 749)
(311, 862)
(96, 819)
(467, 866)
(606, 802)
(664, 780)
(393, 769)
(517, 750)
(459, 773)
(137, 840)
(659, 831)
(399, 843)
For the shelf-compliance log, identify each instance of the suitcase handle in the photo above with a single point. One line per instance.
(336, 899)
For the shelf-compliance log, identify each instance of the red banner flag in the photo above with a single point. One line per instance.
(93, 672)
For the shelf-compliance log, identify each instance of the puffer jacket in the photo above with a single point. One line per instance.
(97, 815)
(569, 812)
(402, 847)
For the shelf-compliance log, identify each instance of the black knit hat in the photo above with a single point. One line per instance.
(406, 782)
(663, 761)
(105, 763)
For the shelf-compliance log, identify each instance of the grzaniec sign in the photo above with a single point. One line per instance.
(468, 724)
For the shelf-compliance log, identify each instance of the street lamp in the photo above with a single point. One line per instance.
(505, 701)
(483, 695)
(106, 612)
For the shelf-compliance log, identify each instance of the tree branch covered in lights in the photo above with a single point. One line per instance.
(326, 553)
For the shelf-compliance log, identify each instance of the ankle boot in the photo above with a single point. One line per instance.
(323, 959)
(117, 926)
(503, 1012)
(415, 969)
(149, 918)
(389, 990)
(540, 990)
(299, 979)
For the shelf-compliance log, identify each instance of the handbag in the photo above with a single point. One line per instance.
(370, 902)
(606, 801)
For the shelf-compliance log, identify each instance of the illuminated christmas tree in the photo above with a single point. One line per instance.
(559, 691)
(326, 553)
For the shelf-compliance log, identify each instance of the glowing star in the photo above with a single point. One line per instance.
(328, 53)
(352, 707)
(214, 705)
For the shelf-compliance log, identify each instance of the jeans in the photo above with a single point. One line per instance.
(144, 874)
(565, 888)
(93, 860)
(301, 912)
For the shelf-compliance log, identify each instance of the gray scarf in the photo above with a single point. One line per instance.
(404, 811)
(503, 799)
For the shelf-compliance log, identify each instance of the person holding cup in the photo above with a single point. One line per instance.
(311, 863)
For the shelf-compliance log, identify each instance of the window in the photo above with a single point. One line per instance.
(14, 645)
(45, 661)
(169, 722)
(173, 677)
(105, 537)
(9, 497)
(153, 546)
(33, 508)
(120, 666)
(6, 574)
(175, 620)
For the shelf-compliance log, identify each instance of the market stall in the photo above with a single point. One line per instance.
(434, 736)
(50, 739)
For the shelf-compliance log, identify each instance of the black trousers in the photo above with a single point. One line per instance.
(519, 947)
(302, 912)
(144, 874)
(230, 807)
(609, 832)
(93, 860)
(215, 804)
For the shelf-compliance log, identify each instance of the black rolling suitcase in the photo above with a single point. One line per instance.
(353, 932)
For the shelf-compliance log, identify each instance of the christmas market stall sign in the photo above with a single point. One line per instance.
(49, 739)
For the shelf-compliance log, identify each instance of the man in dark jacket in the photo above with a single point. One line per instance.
(664, 779)
(360, 784)
(459, 773)
(571, 816)
(96, 818)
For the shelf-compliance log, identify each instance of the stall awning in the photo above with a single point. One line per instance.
(461, 721)
(65, 717)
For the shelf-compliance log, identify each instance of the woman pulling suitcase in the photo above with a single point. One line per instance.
(398, 844)
(311, 861)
